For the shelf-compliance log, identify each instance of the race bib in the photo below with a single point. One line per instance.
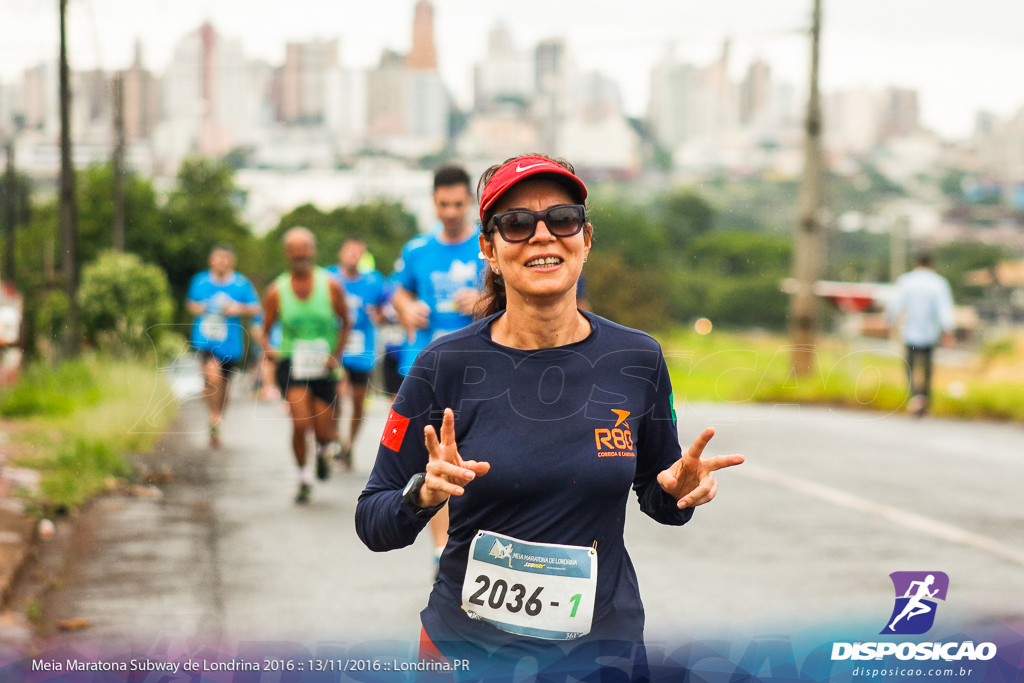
(214, 327)
(309, 359)
(393, 335)
(446, 306)
(542, 590)
(356, 343)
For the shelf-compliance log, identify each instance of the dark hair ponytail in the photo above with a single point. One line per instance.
(493, 299)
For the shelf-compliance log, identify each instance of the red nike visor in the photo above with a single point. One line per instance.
(522, 168)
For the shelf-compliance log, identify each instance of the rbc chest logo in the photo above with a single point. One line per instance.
(615, 441)
(916, 595)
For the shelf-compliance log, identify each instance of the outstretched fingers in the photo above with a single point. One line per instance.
(697, 448)
(431, 442)
(446, 470)
(721, 461)
(448, 428)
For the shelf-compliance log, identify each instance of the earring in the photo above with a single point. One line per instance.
(495, 269)
(584, 259)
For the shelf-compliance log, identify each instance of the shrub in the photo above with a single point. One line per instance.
(124, 303)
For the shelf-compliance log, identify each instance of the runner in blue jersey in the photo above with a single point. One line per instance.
(437, 283)
(538, 419)
(220, 298)
(364, 295)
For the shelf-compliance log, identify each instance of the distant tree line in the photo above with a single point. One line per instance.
(174, 234)
(719, 251)
(665, 263)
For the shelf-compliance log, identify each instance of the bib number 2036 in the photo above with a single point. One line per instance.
(500, 589)
(534, 589)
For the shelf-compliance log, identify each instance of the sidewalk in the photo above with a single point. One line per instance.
(17, 538)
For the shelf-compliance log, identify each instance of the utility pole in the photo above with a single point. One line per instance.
(118, 161)
(68, 203)
(803, 316)
(898, 247)
(12, 210)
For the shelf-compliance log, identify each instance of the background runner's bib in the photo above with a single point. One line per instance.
(309, 358)
(356, 343)
(214, 327)
(542, 590)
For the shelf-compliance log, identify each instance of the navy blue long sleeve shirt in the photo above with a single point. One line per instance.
(567, 432)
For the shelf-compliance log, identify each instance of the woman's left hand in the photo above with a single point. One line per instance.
(690, 480)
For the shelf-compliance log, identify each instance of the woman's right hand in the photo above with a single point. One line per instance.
(447, 472)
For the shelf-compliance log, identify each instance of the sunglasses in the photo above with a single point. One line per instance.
(519, 225)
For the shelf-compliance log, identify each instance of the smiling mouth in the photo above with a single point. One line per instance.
(542, 262)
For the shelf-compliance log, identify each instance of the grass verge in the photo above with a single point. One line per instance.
(755, 367)
(75, 424)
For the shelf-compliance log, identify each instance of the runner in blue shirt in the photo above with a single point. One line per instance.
(437, 283)
(219, 298)
(538, 421)
(364, 295)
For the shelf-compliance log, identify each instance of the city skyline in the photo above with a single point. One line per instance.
(957, 64)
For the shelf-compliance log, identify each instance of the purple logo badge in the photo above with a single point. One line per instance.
(916, 593)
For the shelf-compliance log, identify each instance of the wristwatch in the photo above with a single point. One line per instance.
(412, 491)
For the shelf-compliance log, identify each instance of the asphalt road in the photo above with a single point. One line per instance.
(828, 504)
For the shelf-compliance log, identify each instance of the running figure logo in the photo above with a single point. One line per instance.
(916, 593)
(501, 552)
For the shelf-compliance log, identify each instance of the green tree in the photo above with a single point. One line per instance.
(126, 304)
(385, 227)
(143, 218)
(954, 260)
(741, 253)
(628, 295)
(201, 212)
(685, 215)
(952, 183)
(630, 232)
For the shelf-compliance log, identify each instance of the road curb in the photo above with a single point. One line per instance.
(17, 545)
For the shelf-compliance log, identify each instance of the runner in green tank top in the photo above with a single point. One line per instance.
(315, 323)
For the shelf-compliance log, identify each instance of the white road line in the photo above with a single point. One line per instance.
(946, 532)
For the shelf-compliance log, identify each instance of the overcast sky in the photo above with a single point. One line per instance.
(961, 55)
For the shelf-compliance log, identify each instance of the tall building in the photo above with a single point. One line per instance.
(141, 100)
(553, 79)
(385, 95)
(205, 97)
(92, 107)
(900, 113)
(304, 80)
(851, 121)
(672, 105)
(38, 106)
(8, 108)
(596, 98)
(756, 94)
(423, 55)
(595, 133)
(505, 76)
(407, 104)
(345, 114)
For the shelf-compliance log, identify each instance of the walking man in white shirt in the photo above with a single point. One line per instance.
(925, 304)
